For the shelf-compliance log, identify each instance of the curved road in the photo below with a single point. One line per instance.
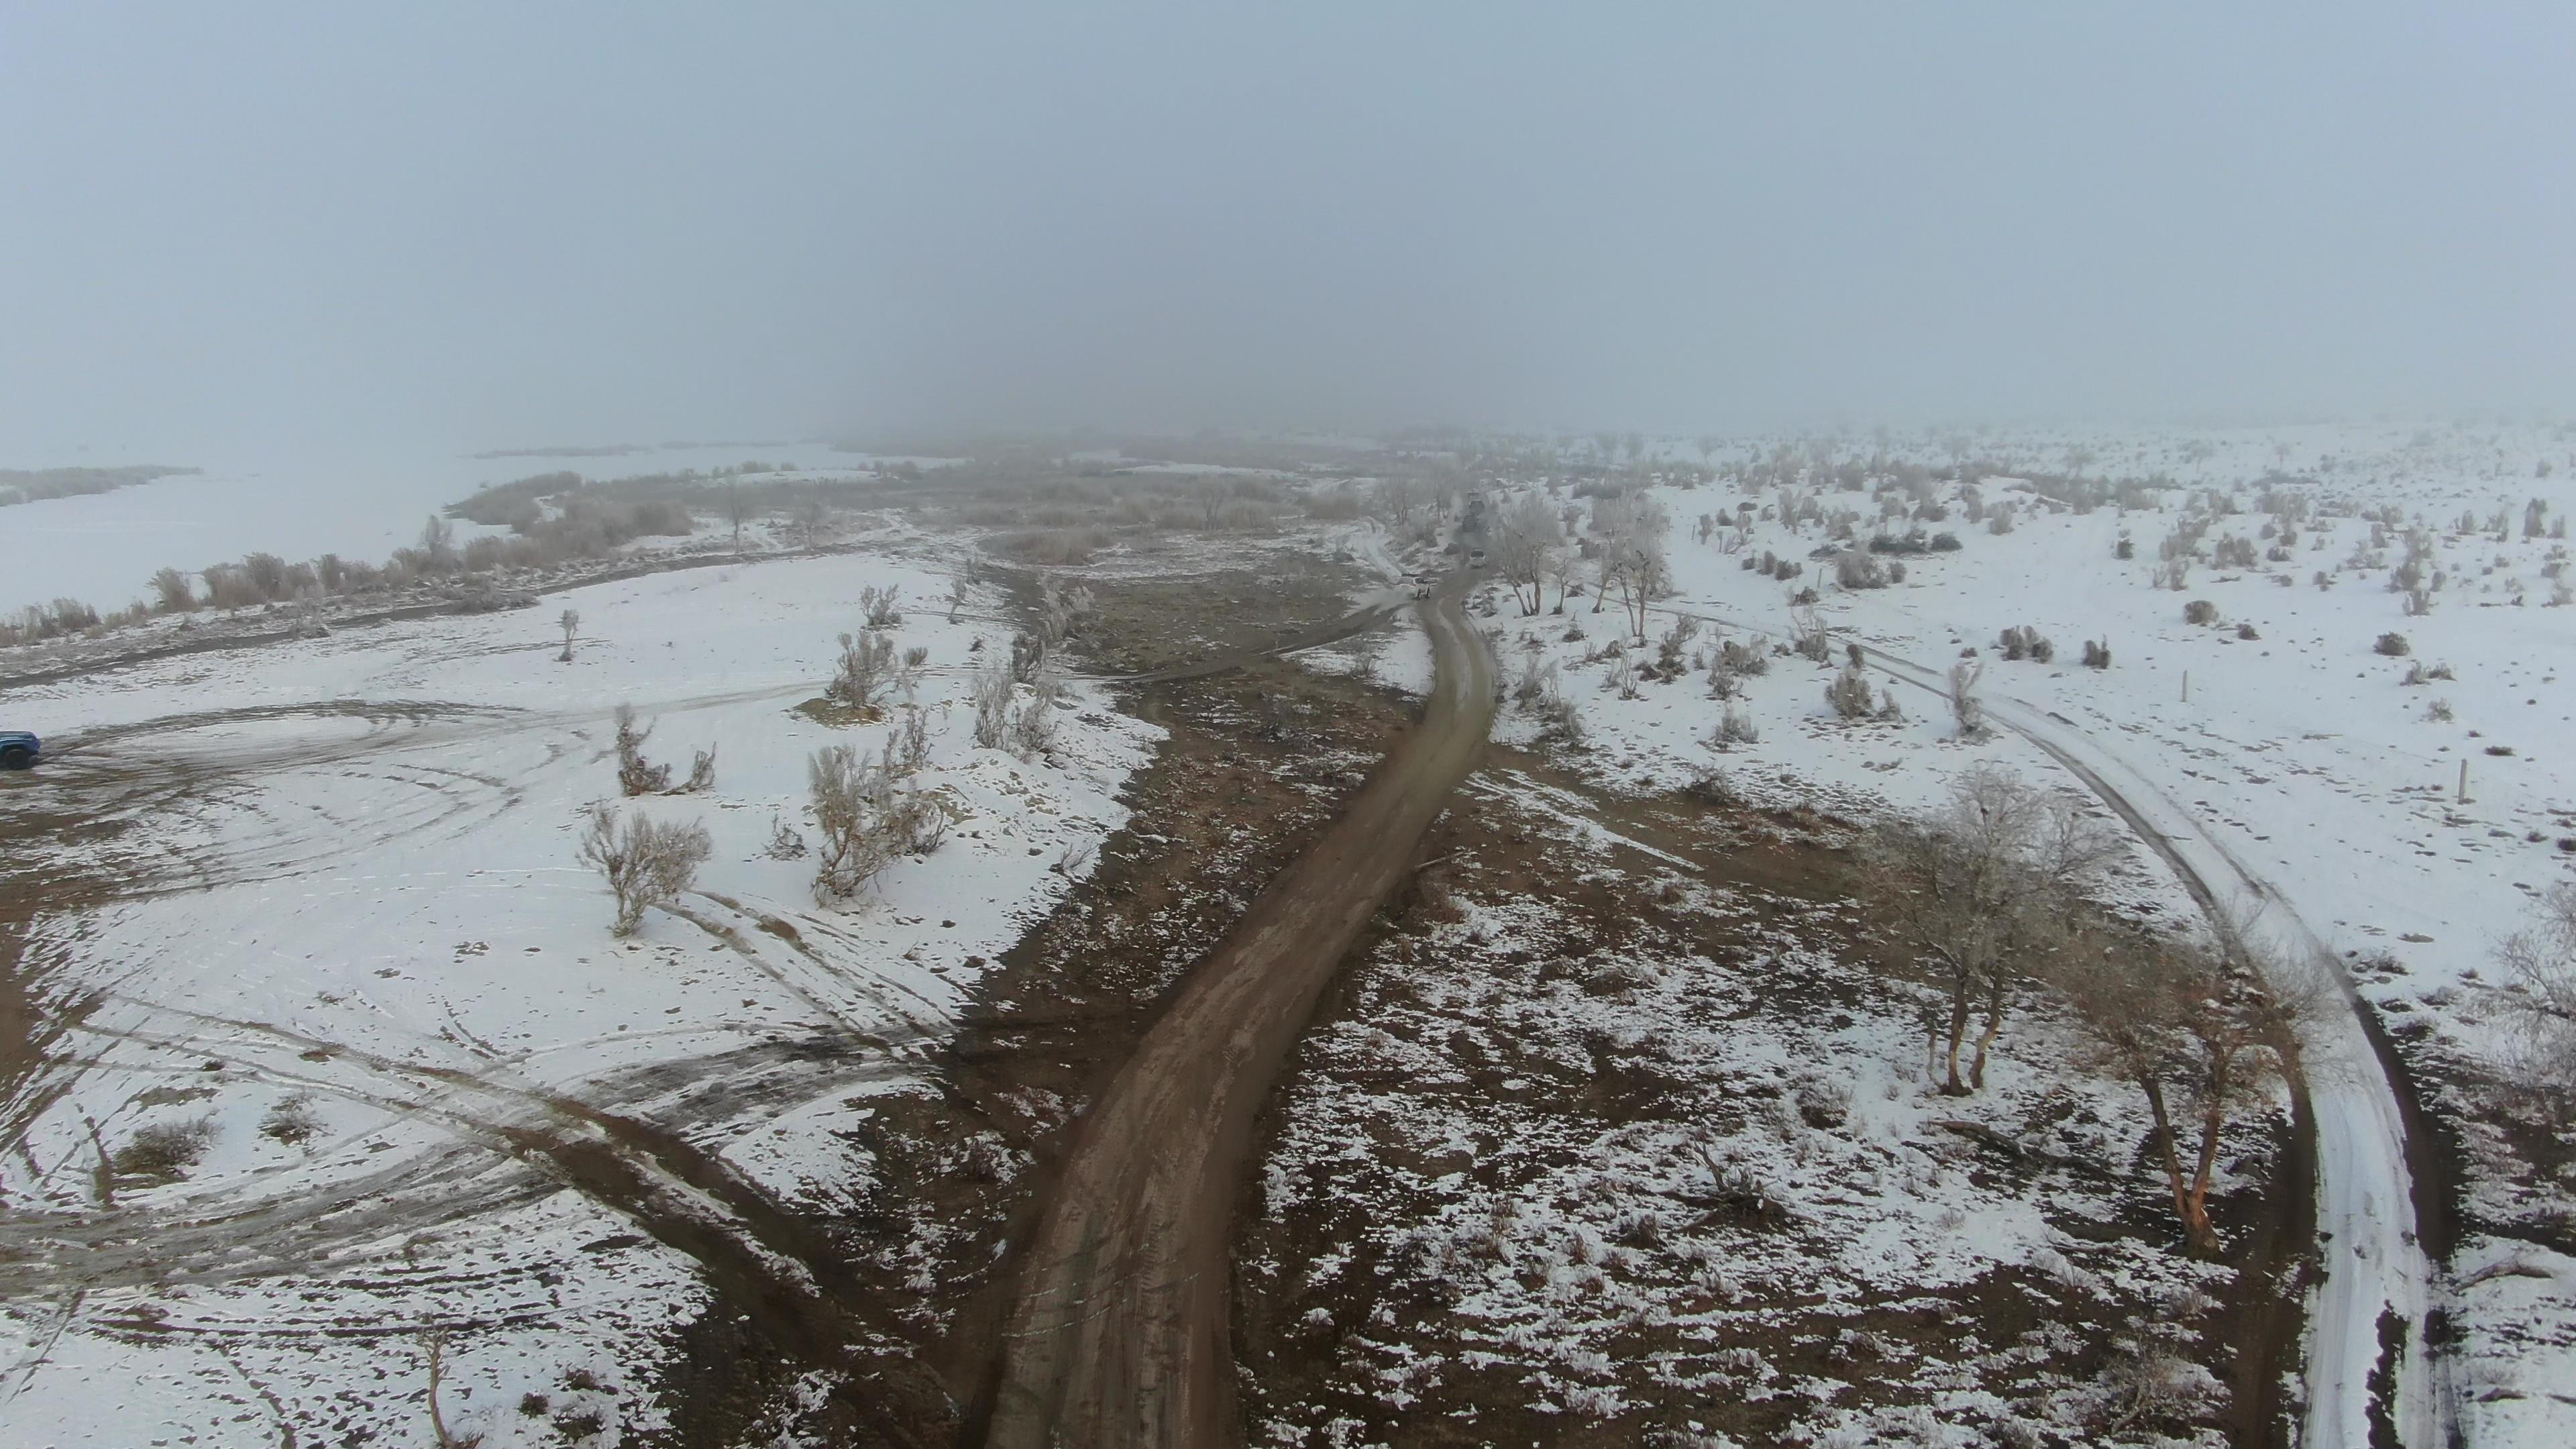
(1119, 1334)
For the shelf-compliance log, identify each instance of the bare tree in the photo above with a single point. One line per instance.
(2204, 1028)
(1526, 541)
(571, 625)
(647, 863)
(2541, 960)
(635, 774)
(1981, 893)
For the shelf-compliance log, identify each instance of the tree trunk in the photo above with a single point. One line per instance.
(2195, 1218)
(1958, 1037)
(1986, 1038)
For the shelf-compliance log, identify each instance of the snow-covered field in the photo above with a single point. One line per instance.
(2300, 773)
(349, 952)
(101, 548)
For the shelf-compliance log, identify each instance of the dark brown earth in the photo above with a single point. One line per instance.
(1120, 1331)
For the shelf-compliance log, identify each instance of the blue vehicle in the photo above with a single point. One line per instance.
(19, 749)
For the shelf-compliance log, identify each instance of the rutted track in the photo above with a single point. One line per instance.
(1119, 1333)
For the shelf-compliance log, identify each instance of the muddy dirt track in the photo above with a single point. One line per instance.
(1118, 1332)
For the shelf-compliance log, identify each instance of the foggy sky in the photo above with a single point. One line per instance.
(473, 226)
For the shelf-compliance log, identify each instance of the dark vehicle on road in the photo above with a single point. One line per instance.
(19, 749)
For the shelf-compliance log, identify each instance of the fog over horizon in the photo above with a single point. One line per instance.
(476, 226)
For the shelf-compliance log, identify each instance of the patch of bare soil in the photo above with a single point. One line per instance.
(1612, 1144)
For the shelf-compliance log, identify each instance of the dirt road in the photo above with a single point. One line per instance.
(1118, 1335)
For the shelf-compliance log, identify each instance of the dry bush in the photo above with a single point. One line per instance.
(2200, 611)
(2097, 654)
(164, 1151)
(1032, 726)
(291, 1121)
(877, 607)
(1733, 728)
(2393, 645)
(174, 593)
(865, 819)
(993, 695)
(865, 669)
(1850, 694)
(647, 863)
(635, 774)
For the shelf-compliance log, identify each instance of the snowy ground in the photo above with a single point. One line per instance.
(101, 548)
(2299, 759)
(351, 946)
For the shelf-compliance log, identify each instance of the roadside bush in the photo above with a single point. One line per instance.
(2200, 611)
(647, 863)
(1964, 704)
(1743, 658)
(1032, 730)
(2393, 645)
(2540, 960)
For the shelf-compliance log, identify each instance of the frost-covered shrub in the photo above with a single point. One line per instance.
(866, 667)
(635, 774)
(2200, 611)
(1859, 571)
(2247, 631)
(1945, 542)
(2393, 645)
(647, 863)
(2439, 711)
(1850, 694)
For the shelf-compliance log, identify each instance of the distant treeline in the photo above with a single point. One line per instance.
(30, 485)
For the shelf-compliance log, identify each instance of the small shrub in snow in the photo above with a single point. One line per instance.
(647, 863)
(877, 607)
(1807, 636)
(1733, 728)
(2247, 631)
(1743, 658)
(1964, 705)
(866, 668)
(786, 842)
(292, 1121)
(164, 1151)
(993, 695)
(635, 774)
(1859, 571)
(2393, 645)
(1945, 542)
(2125, 548)
(1032, 731)
(2200, 611)
(2000, 521)
(2439, 711)
(2025, 642)
(1850, 694)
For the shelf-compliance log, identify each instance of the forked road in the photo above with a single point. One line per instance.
(1119, 1335)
